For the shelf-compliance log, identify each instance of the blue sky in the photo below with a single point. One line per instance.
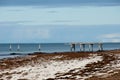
(51, 21)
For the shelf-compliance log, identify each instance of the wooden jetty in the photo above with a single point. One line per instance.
(82, 46)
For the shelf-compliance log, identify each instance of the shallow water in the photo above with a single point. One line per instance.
(26, 48)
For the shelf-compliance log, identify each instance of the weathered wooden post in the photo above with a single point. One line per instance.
(91, 47)
(82, 47)
(72, 47)
(100, 46)
(18, 48)
(39, 47)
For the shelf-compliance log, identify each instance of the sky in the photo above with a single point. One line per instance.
(58, 21)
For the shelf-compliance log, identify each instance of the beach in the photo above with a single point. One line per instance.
(59, 39)
(103, 65)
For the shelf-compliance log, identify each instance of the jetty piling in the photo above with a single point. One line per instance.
(39, 47)
(72, 47)
(91, 47)
(83, 48)
(10, 48)
(18, 47)
(100, 45)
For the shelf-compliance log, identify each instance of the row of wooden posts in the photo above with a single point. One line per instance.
(82, 46)
(72, 46)
(18, 47)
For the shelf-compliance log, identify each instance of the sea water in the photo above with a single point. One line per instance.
(25, 48)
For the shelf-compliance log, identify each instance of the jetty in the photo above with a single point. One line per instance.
(83, 48)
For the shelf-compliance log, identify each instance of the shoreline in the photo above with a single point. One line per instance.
(90, 62)
(22, 53)
(39, 54)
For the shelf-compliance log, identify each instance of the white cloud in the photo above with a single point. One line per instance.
(113, 37)
(63, 15)
(110, 40)
(115, 40)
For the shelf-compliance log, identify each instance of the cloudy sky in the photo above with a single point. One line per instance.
(52, 21)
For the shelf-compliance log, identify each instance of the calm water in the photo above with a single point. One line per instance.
(48, 47)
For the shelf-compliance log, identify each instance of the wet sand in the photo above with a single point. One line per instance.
(62, 66)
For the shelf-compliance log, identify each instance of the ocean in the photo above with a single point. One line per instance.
(25, 48)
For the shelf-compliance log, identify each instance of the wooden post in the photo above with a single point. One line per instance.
(10, 48)
(82, 47)
(100, 47)
(18, 48)
(39, 47)
(91, 47)
(72, 47)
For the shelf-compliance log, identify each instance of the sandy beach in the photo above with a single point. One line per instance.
(62, 66)
(59, 39)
